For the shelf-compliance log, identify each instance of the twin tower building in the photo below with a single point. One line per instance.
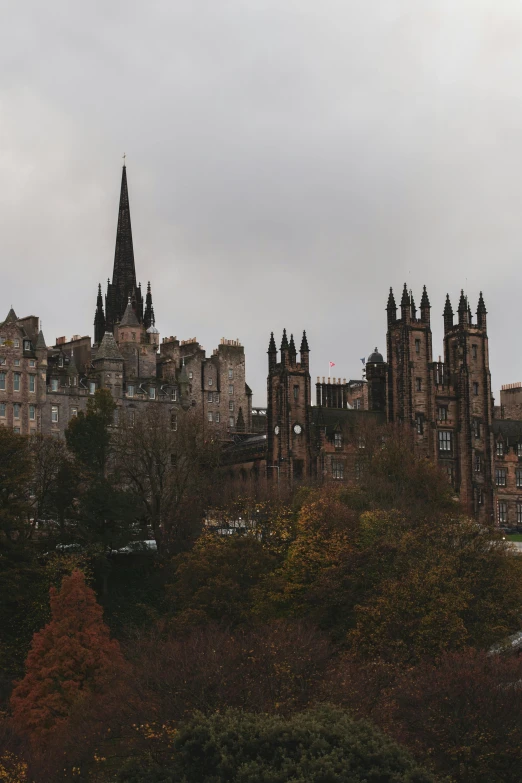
(446, 405)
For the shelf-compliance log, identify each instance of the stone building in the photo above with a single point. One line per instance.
(42, 388)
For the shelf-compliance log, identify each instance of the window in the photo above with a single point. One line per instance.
(32, 383)
(445, 443)
(60, 361)
(191, 374)
(442, 413)
(216, 397)
(132, 418)
(130, 390)
(500, 449)
(230, 373)
(357, 403)
(17, 430)
(418, 384)
(210, 381)
(475, 388)
(92, 387)
(519, 449)
(474, 351)
(518, 478)
(16, 410)
(133, 335)
(2, 381)
(417, 346)
(54, 414)
(16, 362)
(2, 340)
(500, 477)
(338, 440)
(337, 469)
(152, 392)
(173, 422)
(296, 392)
(32, 412)
(74, 412)
(449, 473)
(17, 343)
(27, 345)
(210, 397)
(480, 497)
(231, 388)
(231, 405)
(231, 421)
(16, 381)
(475, 424)
(2, 360)
(419, 424)
(502, 512)
(478, 463)
(218, 417)
(362, 443)
(210, 416)
(2, 409)
(54, 384)
(174, 395)
(519, 513)
(32, 363)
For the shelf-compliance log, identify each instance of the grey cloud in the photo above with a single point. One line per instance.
(288, 161)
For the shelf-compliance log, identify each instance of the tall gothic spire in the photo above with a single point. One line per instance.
(148, 317)
(123, 283)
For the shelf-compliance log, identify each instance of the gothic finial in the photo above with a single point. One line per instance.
(391, 301)
(447, 307)
(271, 345)
(463, 305)
(481, 308)
(291, 346)
(304, 344)
(413, 308)
(425, 302)
(284, 341)
(405, 301)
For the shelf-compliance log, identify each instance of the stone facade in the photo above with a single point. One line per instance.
(42, 388)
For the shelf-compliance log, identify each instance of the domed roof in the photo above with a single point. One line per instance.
(152, 330)
(375, 357)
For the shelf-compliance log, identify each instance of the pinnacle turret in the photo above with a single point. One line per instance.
(284, 341)
(413, 308)
(391, 308)
(448, 315)
(148, 316)
(481, 313)
(304, 344)
(99, 318)
(425, 306)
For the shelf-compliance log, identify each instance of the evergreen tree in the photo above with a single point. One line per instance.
(71, 660)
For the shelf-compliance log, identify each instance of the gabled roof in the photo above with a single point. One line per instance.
(108, 348)
(11, 317)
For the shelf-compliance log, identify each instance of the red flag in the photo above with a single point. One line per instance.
(332, 364)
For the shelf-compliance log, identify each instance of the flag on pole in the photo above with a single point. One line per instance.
(362, 360)
(332, 364)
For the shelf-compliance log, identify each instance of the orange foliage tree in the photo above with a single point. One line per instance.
(71, 660)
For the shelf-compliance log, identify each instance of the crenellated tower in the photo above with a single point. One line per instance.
(289, 411)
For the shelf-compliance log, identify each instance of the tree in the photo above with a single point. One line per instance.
(71, 660)
(15, 478)
(168, 464)
(88, 435)
(394, 585)
(324, 744)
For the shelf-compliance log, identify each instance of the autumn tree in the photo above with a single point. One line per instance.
(168, 463)
(71, 660)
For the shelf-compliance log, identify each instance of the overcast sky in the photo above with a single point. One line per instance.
(288, 161)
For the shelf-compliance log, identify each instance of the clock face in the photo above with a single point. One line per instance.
(298, 429)
(276, 430)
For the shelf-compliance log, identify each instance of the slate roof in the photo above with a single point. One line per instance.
(129, 316)
(108, 348)
(510, 429)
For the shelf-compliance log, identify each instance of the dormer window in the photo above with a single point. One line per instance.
(54, 384)
(92, 387)
(152, 392)
(130, 390)
(60, 361)
(338, 440)
(500, 449)
(27, 345)
(17, 343)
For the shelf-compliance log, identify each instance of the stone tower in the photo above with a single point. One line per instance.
(289, 411)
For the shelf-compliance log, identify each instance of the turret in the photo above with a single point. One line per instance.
(305, 352)
(448, 315)
(272, 352)
(425, 307)
(463, 310)
(148, 317)
(284, 349)
(99, 318)
(413, 308)
(405, 306)
(292, 352)
(481, 313)
(391, 308)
